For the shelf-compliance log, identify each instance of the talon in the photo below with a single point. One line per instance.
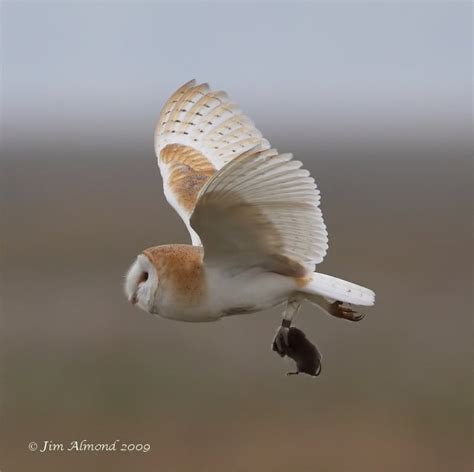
(358, 317)
(319, 369)
(276, 349)
(339, 310)
(280, 341)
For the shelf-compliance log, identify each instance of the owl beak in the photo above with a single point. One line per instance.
(134, 299)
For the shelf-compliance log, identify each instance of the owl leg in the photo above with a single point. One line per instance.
(280, 341)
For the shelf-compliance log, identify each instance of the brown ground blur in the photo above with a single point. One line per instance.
(375, 98)
(80, 363)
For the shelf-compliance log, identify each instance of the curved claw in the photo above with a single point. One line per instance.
(318, 371)
(358, 317)
(339, 310)
(280, 341)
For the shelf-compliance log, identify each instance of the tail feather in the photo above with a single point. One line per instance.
(338, 289)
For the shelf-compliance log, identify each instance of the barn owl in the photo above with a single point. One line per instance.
(253, 216)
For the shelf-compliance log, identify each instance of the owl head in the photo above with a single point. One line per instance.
(141, 283)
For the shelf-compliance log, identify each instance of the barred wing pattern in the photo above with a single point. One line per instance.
(198, 132)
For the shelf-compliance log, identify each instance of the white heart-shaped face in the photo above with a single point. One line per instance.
(141, 283)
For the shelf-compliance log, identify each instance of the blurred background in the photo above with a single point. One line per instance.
(374, 98)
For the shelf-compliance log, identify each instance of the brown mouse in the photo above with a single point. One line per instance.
(302, 351)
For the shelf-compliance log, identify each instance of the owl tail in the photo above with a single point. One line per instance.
(337, 289)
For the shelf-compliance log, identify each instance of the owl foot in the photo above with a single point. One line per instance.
(340, 310)
(280, 341)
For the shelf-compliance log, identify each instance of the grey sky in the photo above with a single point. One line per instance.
(333, 62)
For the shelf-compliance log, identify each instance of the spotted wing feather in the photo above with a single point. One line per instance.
(198, 132)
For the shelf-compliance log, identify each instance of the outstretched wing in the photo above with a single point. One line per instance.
(198, 132)
(262, 209)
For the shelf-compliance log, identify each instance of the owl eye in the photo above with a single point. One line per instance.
(143, 277)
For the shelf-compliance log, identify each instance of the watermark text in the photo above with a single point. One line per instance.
(83, 445)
